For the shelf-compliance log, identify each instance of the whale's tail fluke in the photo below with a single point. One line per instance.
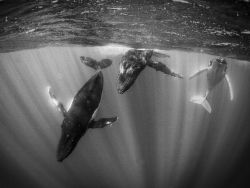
(202, 101)
(97, 65)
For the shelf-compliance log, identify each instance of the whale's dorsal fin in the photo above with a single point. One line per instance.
(229, 87)
(199, 72)
(102, 122)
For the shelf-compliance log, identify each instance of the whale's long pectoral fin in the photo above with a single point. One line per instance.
(158, 66)
(102, 122)
(58, 104)
(198, 73)
(230, 87)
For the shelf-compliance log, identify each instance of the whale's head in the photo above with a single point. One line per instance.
(128, 73)
(219, 64)
(130, 67)
(71, 134)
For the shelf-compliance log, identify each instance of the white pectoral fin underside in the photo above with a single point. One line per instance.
(52, 96)
(69, 104)
(230, 87)
(58, 104)
(198, 73)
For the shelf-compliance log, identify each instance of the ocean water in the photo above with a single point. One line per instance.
(161, 139)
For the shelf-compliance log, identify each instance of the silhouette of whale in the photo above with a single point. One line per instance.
(216, 72)
(80, 117)
(133, 62)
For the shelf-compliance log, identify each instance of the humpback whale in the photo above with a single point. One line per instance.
(215, 72)
(134, 61)
(80, 116)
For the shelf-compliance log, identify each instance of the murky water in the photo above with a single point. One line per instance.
(161, 139)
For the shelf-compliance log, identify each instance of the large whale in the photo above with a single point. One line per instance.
(134, 61)
(215, 72)
(80, 116)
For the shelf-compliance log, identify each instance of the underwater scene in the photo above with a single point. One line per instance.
(118, 94)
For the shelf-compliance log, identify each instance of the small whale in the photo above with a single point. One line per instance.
(216, 72)
(134, 61)
(97, 65)
(80, 116)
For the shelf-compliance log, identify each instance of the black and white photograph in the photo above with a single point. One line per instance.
(124, 93)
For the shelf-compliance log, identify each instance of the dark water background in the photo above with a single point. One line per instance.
(160, 139)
